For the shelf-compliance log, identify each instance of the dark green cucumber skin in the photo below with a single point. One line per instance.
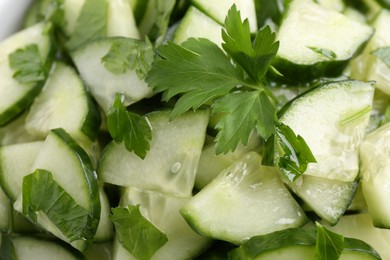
(28, 99)
(384, 3)
(90, 175)
(295, 237)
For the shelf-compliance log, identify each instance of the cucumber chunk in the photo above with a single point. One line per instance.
(218, 10)
(245, 200)
(64, 103)
(171, 163)
(16, 162)
(332, 119)
(15, 132)
(375, 163)
(317, 42)
(27, 247)
(16, 96)
(64, 161)
(196, 24)
(369, 67)
(360, 226)
(103, 84)
(296, 244)
(162, 210)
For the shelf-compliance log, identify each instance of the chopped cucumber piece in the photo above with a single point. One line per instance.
(66, 167)
(317, 42)
(196, 24)
(121, 20)
(15, 132)
(64, 103)
(369, 67)
(105, 229)
(26, 247)
(162, 210)
(16, 96)
(16, 161)
(329, 199)
(296, 244)
(170, 165)
(332, 119)
(104, 84)
(360, 226)
(245, 200)
(375, 163)
(219, 9)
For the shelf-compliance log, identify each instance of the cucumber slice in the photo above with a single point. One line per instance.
(332, 119)
(103, 84)
(121, 20)
(163, 211)
(297, 244)
(375, 163)
(16, 162)
(196, 24)
(211, 164)
(317, 42)
(360, 226)
(329, 199)
(15, 96)
(368, 66)
(245, 200)
(171, 163)
(64, 103)
(25, 247)
(219, 9)
(72, 171)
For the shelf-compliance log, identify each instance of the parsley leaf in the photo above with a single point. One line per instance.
(256, 59)
(329, 245)
(135, 233)
(91, 23)
(129, 127)
(296, 153)
(243, 112)
(383, 54)
(129, 54)
(41, 193)
(27, 64)
(232, 83)
(198, 69)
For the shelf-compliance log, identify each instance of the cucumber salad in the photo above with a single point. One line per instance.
(196, 129)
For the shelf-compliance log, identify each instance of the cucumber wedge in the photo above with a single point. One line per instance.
(296, 244)
(63, 174)
(16, 161)
(369, 67)
(16, 96)
(359, 226)
(245, 200)
(375, 163)
(15, 132)
(317, 42)
(196, 24)
(28, 247)
(64, 103)
(121, 20)
(332, 119)
(170, 165)
(104, 84)
(218, 10)
(163, 211)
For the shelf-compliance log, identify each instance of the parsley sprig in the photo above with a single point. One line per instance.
(231, 82)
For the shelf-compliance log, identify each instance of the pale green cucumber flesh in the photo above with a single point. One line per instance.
(170, 164)
(229, 208)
